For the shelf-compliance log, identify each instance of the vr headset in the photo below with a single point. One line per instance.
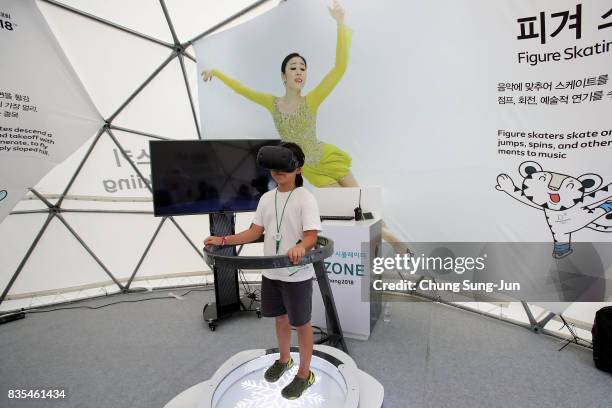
(278, 158)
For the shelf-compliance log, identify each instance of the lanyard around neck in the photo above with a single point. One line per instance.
(277, 237)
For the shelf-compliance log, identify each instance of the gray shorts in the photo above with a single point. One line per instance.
(291, 298)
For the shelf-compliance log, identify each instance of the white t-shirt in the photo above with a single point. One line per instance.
(301, 214)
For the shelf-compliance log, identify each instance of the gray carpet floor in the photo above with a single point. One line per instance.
(140, 355)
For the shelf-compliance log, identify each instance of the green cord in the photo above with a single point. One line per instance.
(278, 225)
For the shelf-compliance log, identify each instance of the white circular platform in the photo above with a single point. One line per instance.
(239, 383)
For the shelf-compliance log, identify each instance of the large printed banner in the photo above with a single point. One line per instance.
(483, 121)
(45, 113)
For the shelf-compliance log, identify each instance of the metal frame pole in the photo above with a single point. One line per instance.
(29, 212)
(108, 23)
(146, 251)
(169, 21)
(146, 181)
(193, 110)
(42, 198)
(189, 56)
(27, 256)
(78, 238)
(142, 86)
(226, 21)
(67, 210)
(137, 132)
(534, 325)
(78, 170)
(200, 254)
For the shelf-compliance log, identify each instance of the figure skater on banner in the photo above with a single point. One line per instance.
(295, 115)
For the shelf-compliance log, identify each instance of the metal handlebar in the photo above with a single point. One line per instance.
(323, 249)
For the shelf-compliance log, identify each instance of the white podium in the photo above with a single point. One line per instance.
(356, 243)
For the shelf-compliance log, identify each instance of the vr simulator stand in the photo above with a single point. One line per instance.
(225, 259)
(227, 289)
(340, 383)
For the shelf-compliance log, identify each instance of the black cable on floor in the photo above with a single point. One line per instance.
(116, 303)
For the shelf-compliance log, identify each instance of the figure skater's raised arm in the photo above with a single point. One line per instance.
(329, 82)
(261, 98)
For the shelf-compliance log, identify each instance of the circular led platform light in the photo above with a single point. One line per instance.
(240, 381)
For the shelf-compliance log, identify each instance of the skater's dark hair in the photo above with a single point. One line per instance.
(288, 57)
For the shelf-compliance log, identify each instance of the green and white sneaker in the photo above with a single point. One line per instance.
(276, 370)
(296, 388)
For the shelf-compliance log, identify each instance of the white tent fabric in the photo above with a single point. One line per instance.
(136, 61)
(130, 61)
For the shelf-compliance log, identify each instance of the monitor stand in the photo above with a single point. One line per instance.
(227, 289)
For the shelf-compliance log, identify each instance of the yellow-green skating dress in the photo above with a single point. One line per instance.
(325, 163)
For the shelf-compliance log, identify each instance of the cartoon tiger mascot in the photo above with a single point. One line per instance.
(569, 203)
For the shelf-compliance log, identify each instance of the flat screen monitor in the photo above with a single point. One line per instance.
(207, 176)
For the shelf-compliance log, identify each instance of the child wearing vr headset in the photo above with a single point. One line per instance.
(289, 215)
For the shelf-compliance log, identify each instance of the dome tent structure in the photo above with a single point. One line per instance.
(138, 69)
(86, 228)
